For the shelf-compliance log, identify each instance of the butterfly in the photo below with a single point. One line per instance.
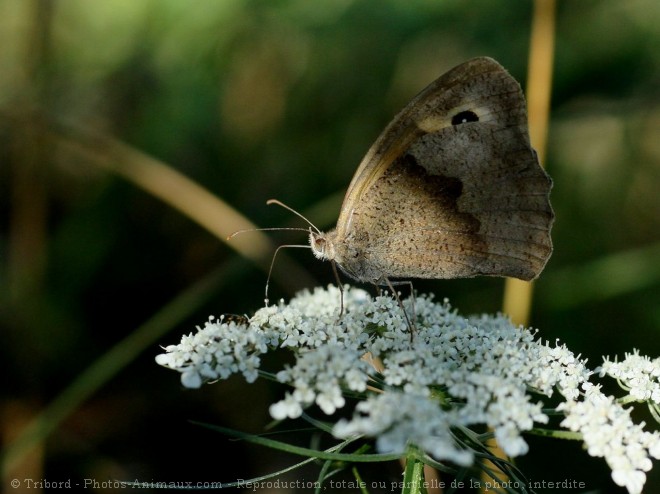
(450, 189)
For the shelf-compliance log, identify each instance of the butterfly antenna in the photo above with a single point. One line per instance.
(333, 263)
(273, 229)
(272, 263)
(279, 203)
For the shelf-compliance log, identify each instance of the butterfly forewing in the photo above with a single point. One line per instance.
(451, 188)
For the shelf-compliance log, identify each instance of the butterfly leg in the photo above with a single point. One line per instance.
(377, 287)
(340, 286)
(411, 324)
(412, 298)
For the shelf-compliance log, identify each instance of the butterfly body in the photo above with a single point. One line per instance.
(451, 188)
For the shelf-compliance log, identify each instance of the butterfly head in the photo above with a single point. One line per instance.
(322, 245)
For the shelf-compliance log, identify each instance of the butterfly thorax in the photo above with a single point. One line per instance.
(351, 256)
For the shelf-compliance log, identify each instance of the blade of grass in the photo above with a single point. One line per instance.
(181, 193)
(518, 294)
(602, 278)
(362, 485)
(108, 365)
(517, 301)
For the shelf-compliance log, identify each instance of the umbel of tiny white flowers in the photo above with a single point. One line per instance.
(457, 372)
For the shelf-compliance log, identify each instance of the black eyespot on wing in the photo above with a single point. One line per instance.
(464, 117)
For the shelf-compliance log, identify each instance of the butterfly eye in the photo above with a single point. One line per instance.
(464, 117)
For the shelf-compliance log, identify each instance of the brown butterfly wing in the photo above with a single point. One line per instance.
(452, 187)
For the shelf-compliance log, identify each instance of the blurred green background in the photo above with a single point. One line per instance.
(280, 99)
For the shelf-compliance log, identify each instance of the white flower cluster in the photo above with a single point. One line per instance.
(217, 351)
(450, 372)
(637, 374)
(609, 432)
(318, 377)
(399, 419)
(485, 364)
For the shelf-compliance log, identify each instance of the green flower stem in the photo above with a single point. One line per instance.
(627, 399)
(413, 476)
(573, 436)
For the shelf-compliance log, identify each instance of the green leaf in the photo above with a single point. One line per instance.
(297, 450)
